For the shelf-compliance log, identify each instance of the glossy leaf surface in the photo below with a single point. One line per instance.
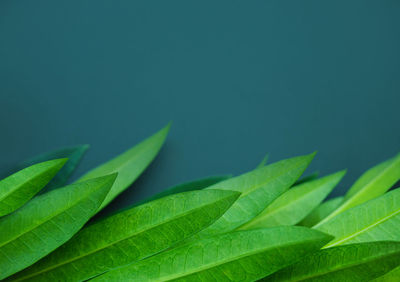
(238, 256)
(131, 235)
(21, 186)
(47, 222)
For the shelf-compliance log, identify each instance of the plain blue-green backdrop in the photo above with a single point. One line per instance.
(237, 78)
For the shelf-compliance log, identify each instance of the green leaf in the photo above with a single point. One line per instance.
(130, 164)
(188, 186)
(21, 186)
(47, 222)
(356, 262)
(264, 161)
(241, 256)
(293, 205)
(391, 276)
(373, 183)
(322, 211)
(259, 188)
(131, 235)
(307, 178)
(377, 219)
(74, 156)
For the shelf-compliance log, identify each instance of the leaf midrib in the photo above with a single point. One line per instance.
(274, 211)
(114, 243)
(274, 177)
(347, 266)
(47, 219)
(362, 191)
(222, 262)
(368, 227)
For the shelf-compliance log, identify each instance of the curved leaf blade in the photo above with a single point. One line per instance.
(377, 219)
(188, 186)
(350, 263)
(241, 256)
(130, 164)
(322, 211)
(131, 235)
(47, 222)
(74, 156)
(259, 188)
(20, 187)
(296, 203)
(373, 183)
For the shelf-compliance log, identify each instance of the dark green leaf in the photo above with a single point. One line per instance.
(264, 161)
(240, 256)
(74, 156)
(307, 178)
(188, 186)
(47, 222)
(130, 164)
(350, 263)
(21, 186)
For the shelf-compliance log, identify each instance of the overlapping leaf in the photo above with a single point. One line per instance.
(130, 164)
(377, 219)
(322, 211)
(47, 222)
(373, 183)
(259, 188)
(131, 235)
(21, 186)
(293, 205)
(391, 276)
(74, 156)
(241, 256)
(188, 186)
(350, 263)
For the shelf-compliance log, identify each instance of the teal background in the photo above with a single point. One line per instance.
(237, 78)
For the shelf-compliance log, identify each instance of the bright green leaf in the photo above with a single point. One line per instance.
(188, 186)
(296, 203)
(131, 235)
(377, 219)
(47, 222)
(21, 186)
(259, 188)
(373, 183)
(130, 164)
(74, 156)
(322, 211)
(350, 263)
(240, 256)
